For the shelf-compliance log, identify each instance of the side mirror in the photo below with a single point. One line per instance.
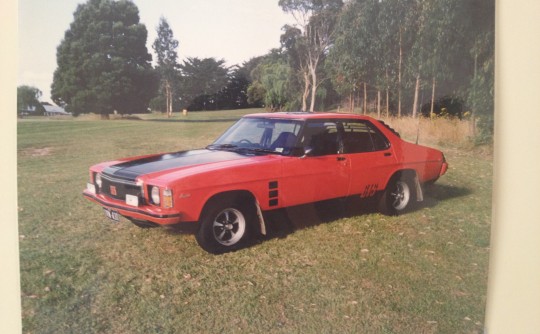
(308, 151)
(301, 152)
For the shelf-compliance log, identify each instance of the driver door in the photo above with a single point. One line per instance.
(322, 174)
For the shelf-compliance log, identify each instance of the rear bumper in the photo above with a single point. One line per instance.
(444, 168)
(155, 215)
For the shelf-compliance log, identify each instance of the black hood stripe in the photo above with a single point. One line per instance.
(130, 170)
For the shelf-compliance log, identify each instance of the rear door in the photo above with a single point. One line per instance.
(371, 158)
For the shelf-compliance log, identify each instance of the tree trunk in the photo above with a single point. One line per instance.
(387, 102)
(473, 120)
(365, 98)
(313, 88)
(306, 91)
(170, 101)
(432, 99)
(387, 95)
(416, 89)
(399, 73)
(378, 103)
(167, 98)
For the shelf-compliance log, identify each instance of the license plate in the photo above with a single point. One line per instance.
(112, 215)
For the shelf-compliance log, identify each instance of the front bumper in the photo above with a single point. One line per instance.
(145, 213)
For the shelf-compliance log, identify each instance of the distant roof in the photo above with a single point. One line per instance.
(54, 109)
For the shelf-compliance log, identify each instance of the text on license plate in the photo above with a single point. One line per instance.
(112, 215)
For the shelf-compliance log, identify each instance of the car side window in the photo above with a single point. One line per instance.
(361, 136)
(321, 136)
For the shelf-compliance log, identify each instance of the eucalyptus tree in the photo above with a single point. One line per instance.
(480, 91)
(441, 40)
(295, 45)
(397, 30)
(103, 63)
(165, 46)
(316, 20)
(355, 56)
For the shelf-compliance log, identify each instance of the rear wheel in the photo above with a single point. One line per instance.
(225, 226)
(397, 197)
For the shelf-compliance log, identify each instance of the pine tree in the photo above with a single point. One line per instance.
(167, 62)
(103, 63)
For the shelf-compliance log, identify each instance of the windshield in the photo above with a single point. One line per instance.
(260, 135)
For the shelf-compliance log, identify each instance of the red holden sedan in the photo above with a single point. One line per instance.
(266, 162)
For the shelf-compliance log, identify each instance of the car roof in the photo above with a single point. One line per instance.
(309, 115)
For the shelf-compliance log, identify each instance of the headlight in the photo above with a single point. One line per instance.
(154, 193)
(99, 182)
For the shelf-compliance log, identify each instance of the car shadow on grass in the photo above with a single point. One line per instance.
(435, 193)
(281, 223)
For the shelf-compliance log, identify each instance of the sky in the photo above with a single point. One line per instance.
(234, 30)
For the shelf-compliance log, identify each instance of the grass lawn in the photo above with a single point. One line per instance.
(327, 268)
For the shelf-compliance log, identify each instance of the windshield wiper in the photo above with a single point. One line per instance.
(221, 146)
(236, 148)
(259, 150)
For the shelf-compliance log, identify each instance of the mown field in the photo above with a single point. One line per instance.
(335, 267)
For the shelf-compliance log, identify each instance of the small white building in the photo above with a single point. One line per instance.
(52, 110)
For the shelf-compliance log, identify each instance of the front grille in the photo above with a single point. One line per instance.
(118, 188)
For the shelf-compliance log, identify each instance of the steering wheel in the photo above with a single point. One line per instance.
(245, 141)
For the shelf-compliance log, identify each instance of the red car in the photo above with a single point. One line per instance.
(266, 162)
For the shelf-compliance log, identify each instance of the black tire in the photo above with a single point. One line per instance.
(225, 226)
(398, 197)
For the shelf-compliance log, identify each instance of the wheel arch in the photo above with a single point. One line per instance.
(238, 196)
(409, 174)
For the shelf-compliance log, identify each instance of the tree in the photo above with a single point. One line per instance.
(480, 91)
(103, 63)
(256, 94)
(28, 97)
(296, 48)
(397, 28)
(234, 94)
(440, 40)
(167, 62)
(316, 20)
(255, 91)
(272, 81)
(202, 79)
(357, 57)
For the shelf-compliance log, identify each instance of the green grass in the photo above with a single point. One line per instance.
(342, 270)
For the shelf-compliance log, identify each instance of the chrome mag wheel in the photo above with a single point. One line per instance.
(229, 226)
(400, 195)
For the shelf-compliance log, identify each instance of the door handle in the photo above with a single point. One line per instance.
(341, 158)
(387, 154)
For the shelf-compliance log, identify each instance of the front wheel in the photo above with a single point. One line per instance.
(397, 197)
(224, 227)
